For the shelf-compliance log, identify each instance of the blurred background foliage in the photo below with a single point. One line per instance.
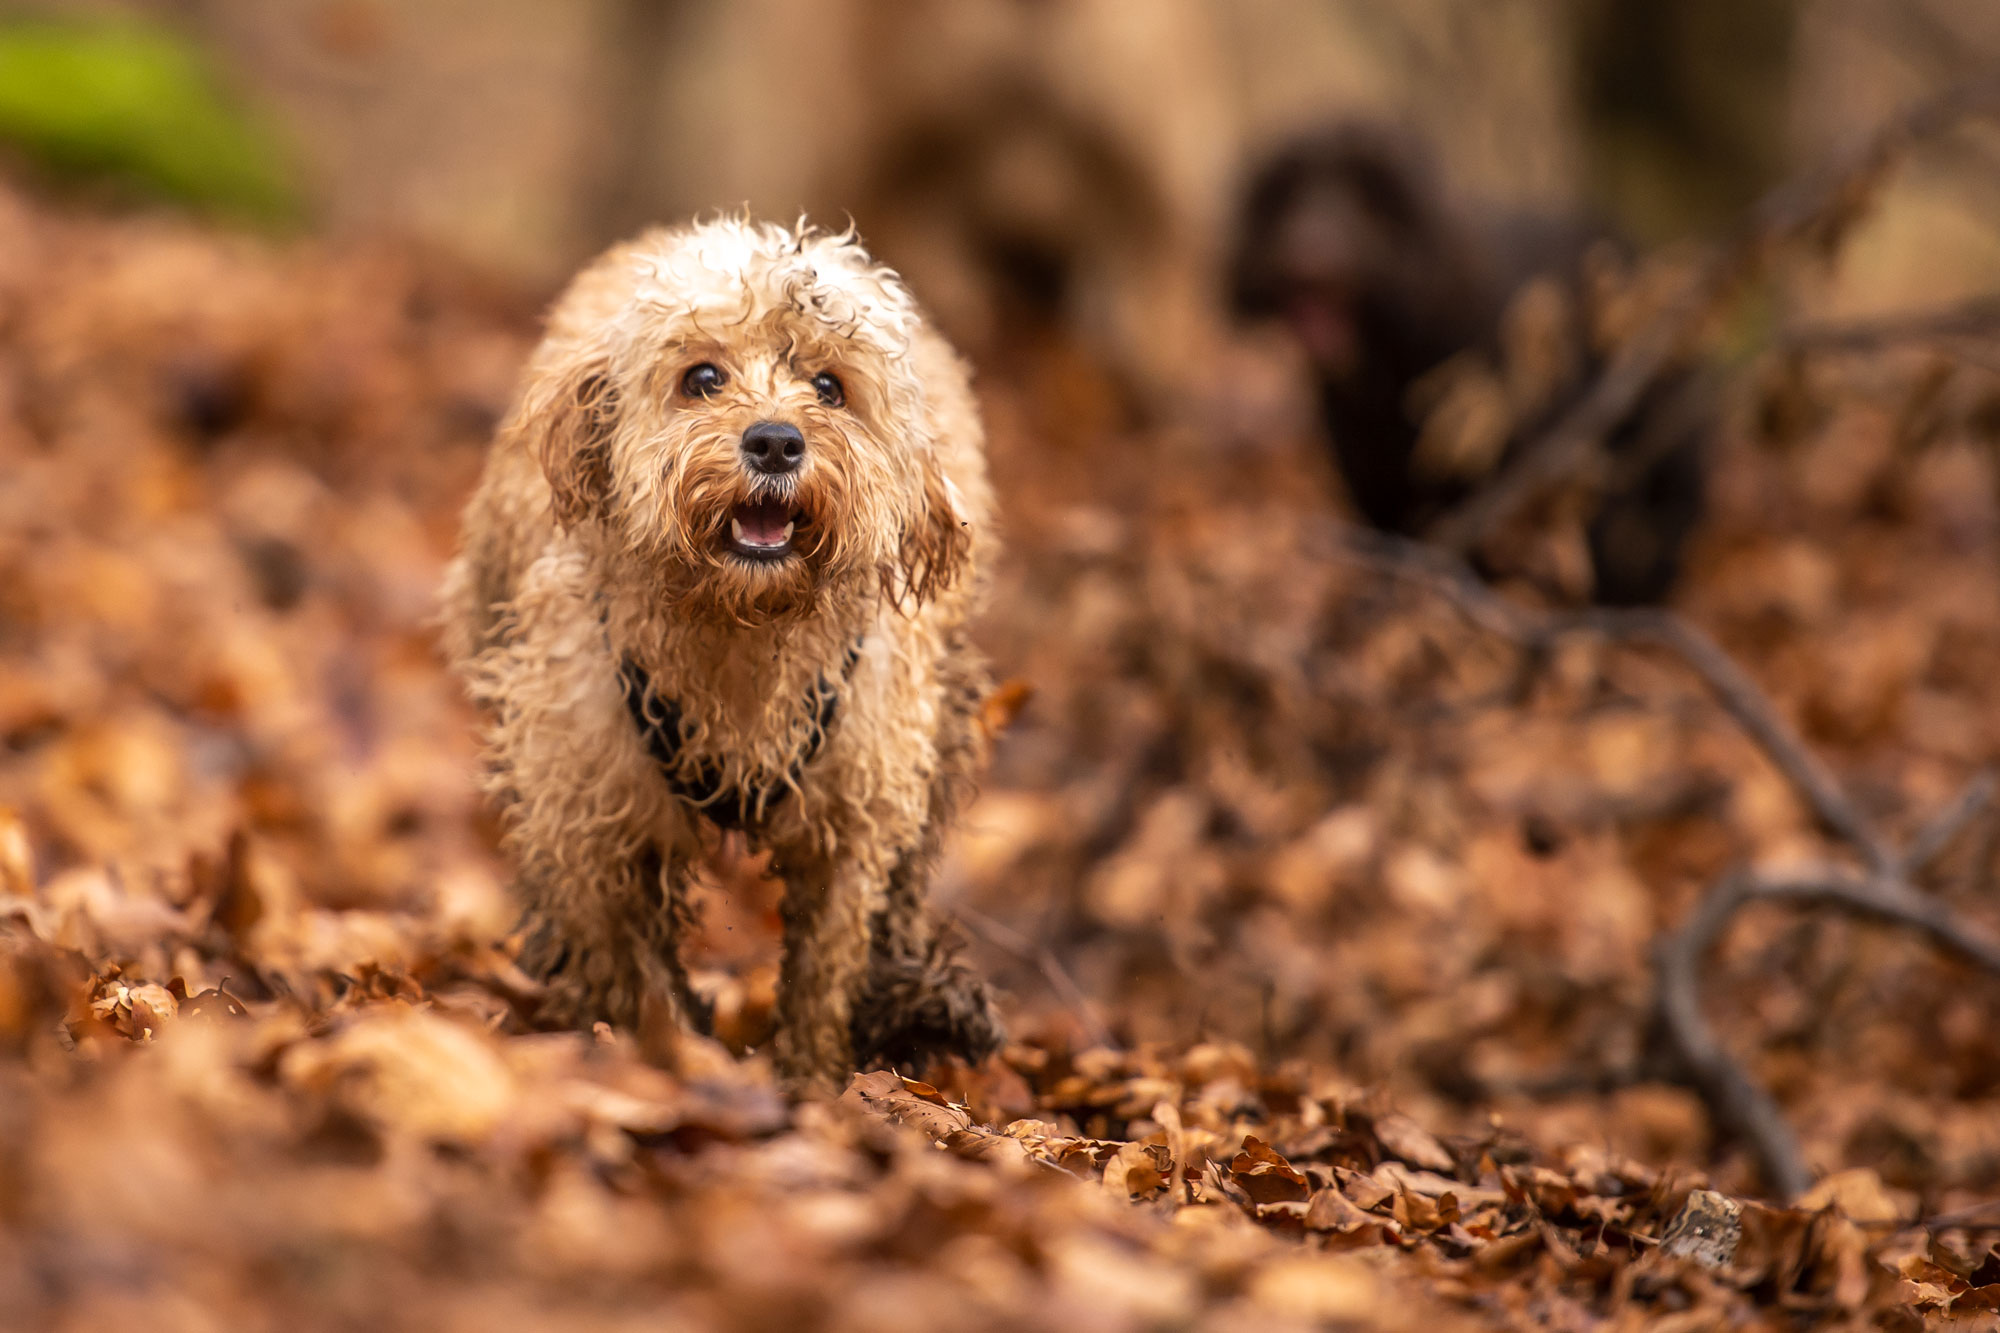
(524, 135)
(138, 106)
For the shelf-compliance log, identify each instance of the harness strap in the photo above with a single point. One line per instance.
(660, 720)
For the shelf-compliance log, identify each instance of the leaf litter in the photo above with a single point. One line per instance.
(1344, 885)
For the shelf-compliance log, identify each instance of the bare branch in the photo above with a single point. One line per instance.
(1880, 892)
(1980, 1216)
(1807, 203)
(1741, 1106)
(1808, 207)
(1976, 318)
(1744, 700)
(1442, 573)
(1733, 689)
(1888, 900)
(1933, 838)
(1577, 436)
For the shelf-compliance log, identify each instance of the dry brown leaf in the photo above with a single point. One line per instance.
(1859, 1194)
(1265, 1176)
(1404, 1138)
(17, 859)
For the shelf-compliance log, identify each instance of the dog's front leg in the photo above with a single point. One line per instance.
(604, 934)
(829, 910)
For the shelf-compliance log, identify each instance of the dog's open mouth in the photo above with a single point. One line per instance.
(763, 529)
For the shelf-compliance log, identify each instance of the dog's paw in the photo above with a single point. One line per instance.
(917, 1008)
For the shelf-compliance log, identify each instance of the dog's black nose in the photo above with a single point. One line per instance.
(774, 447)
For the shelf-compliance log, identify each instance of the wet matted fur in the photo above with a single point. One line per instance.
(641, 677)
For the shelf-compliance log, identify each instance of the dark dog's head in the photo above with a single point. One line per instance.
(1346, 237)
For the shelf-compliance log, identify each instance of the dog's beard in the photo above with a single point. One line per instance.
(721, 545)
(729, 589)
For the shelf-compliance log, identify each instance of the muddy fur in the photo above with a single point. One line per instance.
(923, 1006)
(642, 679)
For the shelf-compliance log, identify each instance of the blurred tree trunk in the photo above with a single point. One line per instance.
(626, 190)
(1684, 105)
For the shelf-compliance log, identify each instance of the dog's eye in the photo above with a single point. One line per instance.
(829, 389)
(703, 380)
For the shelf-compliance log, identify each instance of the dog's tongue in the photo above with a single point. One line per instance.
(763, 523)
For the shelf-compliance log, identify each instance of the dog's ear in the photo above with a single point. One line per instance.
(567, 420)
(937, 543)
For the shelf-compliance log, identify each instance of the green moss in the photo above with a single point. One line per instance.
(140, 106)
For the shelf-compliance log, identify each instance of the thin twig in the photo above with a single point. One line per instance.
(1963, 1217)
(1733, 689)
(1576, 437)
(1880, 892)
(1744, 700)
(1443, 573)
(1890, 901)
(1935, 837)
(1741, 1106)
(1975, 318)
(1984, 852)
(1800, 209)
(1039, 956)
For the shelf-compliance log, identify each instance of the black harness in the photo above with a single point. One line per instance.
(659, 720)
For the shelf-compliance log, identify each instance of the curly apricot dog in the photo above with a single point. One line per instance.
(717, 573)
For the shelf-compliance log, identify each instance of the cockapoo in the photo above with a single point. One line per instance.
(717, 574)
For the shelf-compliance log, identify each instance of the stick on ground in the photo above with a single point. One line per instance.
(1880, 891)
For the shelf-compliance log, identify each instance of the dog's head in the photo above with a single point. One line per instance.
(734, 409)
(1346, 237)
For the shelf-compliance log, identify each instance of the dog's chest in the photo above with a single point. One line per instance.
(736, 776)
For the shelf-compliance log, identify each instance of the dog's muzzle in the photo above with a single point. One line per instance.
(761, 529)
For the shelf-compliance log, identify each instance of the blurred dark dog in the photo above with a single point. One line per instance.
(1443, 343)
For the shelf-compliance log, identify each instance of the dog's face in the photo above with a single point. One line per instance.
(736, 411)
(1345, 237)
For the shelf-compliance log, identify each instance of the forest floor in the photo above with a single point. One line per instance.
(1326, 914)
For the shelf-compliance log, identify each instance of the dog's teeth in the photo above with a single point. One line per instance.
(736, 529)
(786, 535)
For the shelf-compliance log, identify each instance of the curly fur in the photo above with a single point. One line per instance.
(920, 1006)
(597, 537)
